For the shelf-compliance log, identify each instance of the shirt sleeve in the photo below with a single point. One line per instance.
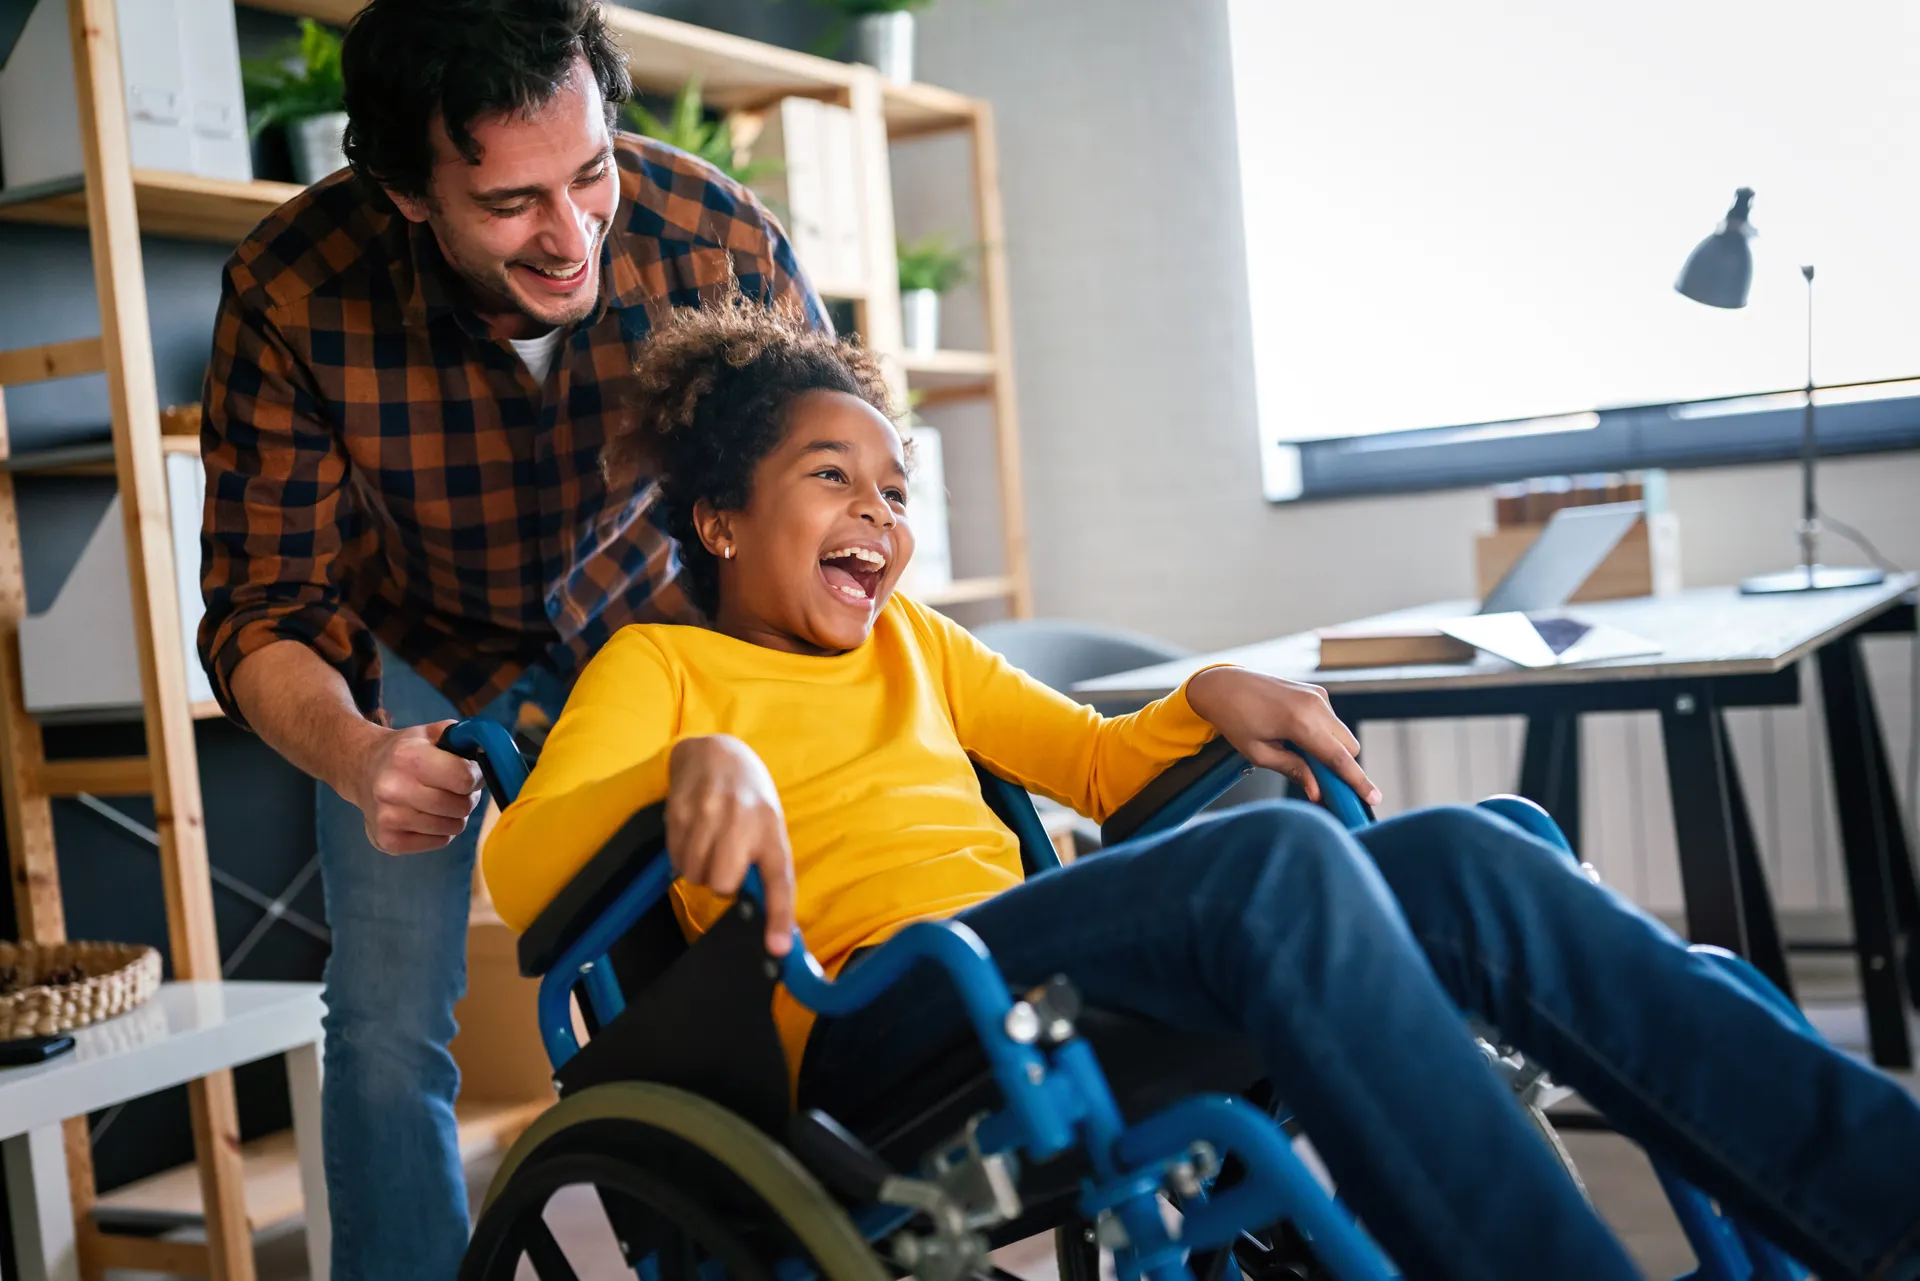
(604, 760)
(1039, 738)
(779, 280)
(272, 528)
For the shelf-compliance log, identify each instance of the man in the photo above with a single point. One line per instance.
(414, 366)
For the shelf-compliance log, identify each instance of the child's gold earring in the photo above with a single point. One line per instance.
(729, 552)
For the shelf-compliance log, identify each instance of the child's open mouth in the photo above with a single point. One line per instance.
(853, 573)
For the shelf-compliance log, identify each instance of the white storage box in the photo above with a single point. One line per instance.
(185, 109)
(78, 658)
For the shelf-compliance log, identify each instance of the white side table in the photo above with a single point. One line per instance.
(187, 1031)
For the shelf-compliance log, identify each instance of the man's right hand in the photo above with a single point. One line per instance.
(723, 817)
(414, 796)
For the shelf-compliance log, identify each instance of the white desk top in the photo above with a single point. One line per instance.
(1712, 631)
(186, 1031)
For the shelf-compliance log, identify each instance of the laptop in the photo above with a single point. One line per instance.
(1521, 619)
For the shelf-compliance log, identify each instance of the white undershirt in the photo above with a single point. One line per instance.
(538, 353)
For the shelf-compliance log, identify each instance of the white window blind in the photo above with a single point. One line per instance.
(1475, 212)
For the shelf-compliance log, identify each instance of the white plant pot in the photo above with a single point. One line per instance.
(315, 145)
(920, 320)
(885, 41)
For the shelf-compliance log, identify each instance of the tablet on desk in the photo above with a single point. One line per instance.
(1546, 639)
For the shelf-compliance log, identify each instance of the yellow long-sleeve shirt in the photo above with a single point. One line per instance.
(869, 751)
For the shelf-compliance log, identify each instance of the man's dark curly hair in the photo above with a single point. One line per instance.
(713, 387)
(406, 60)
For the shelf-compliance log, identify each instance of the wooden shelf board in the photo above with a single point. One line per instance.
(170, 204)
(932, 368)
(914, 109)
(205, 710)
(272, 1173)
(964, 591)
(662, 54)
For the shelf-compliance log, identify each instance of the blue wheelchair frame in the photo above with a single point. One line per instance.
(1057, 1097)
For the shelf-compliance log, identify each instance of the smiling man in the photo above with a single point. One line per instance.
(406, 521)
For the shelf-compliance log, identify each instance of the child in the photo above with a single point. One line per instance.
(822, 731)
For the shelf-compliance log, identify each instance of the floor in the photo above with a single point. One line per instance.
(1617, 1177)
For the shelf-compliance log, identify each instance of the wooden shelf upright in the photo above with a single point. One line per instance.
(116, 203)
(170, 770)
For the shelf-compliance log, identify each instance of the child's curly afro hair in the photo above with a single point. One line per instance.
(712, 387)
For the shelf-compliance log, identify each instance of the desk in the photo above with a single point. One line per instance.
(1719, 650)
(186, 1031)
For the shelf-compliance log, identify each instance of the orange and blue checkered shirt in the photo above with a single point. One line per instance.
(379, 466)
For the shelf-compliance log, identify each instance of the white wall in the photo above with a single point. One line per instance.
(1126, 252)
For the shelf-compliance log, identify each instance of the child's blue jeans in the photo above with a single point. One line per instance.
(1348, 959)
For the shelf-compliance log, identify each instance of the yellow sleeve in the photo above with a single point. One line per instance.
(1047, 743)
(604, 760)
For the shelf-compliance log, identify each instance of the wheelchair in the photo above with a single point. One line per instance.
(1114, 1133)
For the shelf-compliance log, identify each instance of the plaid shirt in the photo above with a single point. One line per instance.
(379, 466)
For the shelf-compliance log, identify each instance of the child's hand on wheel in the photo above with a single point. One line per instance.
(1258, 713)
(723, 817)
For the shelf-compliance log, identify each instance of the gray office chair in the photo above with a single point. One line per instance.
(1060, 654)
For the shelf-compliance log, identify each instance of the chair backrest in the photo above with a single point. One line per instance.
(1059, 653)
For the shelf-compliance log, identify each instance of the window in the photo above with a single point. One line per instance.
(1474, 213)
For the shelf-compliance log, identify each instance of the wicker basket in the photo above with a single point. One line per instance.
(57, 987)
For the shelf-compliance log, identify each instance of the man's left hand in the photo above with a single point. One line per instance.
(1259, 714)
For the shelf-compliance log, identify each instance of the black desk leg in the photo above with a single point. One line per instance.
(1870, 837)
(1703, 823)
(1756, 899)
(1550, 769)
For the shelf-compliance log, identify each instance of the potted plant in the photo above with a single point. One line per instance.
(687, 128)
(883, 33)
(300, 88)
(929, 267)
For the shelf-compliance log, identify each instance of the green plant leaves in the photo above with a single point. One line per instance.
(301, 79)
(687, 128)
(931, 263)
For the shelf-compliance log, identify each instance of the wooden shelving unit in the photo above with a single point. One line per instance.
(168, 204)
(235, 1190)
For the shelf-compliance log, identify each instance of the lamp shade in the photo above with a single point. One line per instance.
(1720, 269)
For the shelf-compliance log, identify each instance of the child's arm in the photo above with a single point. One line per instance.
(617, 749)
(1049, 744)
(605, 759)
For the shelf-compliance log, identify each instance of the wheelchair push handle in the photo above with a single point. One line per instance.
(491, 747)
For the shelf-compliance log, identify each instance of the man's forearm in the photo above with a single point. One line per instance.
(301, 708)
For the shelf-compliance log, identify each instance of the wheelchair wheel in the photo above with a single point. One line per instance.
(678, 1180)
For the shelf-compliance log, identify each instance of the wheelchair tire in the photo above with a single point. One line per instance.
(654, 1151)
(1075, 1253)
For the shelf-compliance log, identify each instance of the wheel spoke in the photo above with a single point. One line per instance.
(548, 1259)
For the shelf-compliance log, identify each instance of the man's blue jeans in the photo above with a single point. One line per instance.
(399, 962)
(1348, 959)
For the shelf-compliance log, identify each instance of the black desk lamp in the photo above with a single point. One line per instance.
(1718, 273)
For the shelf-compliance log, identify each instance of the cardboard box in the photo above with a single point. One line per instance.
(1646, 563)
(498, 1046)
(186, 111)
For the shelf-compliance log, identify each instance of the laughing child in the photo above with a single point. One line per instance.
(823, 730)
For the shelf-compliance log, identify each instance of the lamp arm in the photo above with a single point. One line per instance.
(1809, 506)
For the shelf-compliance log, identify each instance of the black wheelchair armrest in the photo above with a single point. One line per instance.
(1178, 792)
(593, 889)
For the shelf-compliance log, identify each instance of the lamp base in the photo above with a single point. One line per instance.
(1811, 578)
